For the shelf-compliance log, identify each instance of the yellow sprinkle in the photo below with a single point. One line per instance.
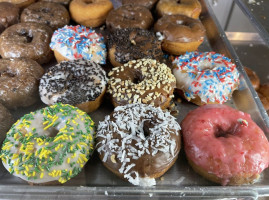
(15, 156)
(26, 173)
(70, 137)
(68, 160)
(47, 143)
(44, 123)
(83, 143)
(74, 155)
(41, 175)
(70, 173)
(16, 136)
(27, 168)
(71, 148)
(33, 173)
(81, 165)
(79, 146)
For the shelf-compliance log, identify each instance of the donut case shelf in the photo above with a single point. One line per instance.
(96, 182)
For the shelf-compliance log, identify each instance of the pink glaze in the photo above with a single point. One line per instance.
(242, 147)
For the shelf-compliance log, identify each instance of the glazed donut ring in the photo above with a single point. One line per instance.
(81, 83)
(9, 15)
(141, 81)
(129, 16)
(179, 34)
(138, 142)
(90, 13)
(132, 44)
(53, 15)
(19, 80)
(51, 144)
(6, 120)
(224, 145)
(205, 78)
(190, 8)
(27, 40)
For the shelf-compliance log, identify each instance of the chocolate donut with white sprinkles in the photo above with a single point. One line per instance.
(79, 82)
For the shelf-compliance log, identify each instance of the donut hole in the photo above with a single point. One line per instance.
(178, 1)
(52, 131)
(27, 35)
(129, 17)
(137, 78)
(45, 10)
(220, 132)
(146, 127)
(6, 74)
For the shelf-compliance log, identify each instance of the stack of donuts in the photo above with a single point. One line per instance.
(136, 57)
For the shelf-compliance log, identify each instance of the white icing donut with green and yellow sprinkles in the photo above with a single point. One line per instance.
(51, 144)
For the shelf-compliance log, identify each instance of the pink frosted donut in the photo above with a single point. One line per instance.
(224, 145)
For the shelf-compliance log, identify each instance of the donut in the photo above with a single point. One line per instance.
(52, 14)
(141, 81)
(27, 40)
(6, 120)
(190, 8)
(179, 34)
(76, 42)
(129, 16)
(90, 13)
(254, 79)
(132, 44)
(63, 2)
(149, 4)
(79, 82)
(20, 3)
(19, 80)
(224, 145)
(205, 78)
(138, 143)
(9, 15)
(48, 145)
(263, 93)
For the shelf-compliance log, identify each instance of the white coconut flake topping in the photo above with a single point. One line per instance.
(134, 130)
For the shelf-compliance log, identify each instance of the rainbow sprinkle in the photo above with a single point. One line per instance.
(33, 155)
(75, 42)
(209, 75)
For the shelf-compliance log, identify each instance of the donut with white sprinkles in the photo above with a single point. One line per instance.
(205, 78)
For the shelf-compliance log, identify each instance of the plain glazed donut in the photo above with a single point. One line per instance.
(129, 16)
(6, 120)
(79, 82)
(19, 80)
(205, 78)
(52, 14)
(27, 40)
(138, 142)
(179, 34)
(146, 3)
(51, 144)
(254, 79)
(190, 8)
(9, 15)
(132, 44)
(224, 145)
(76, 42)
(90, 13)
(141, 81)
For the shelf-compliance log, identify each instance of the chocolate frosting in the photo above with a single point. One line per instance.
(129, 16)
(133, 44)
(180, 28)
(9, 15)
(147, 3)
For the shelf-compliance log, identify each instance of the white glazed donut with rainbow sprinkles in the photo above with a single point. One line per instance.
(51, 144)
(205, 77)
(76, 42)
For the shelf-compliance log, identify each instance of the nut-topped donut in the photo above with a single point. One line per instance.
(9, 15)
(52, 14)
(141, 81)
(132, 44)
(179, 34)
(51, 144)
(205, 78)
(129, 16)
(19, 80)
(27, 40)
(138, 142)
(78, 82)
(190, 8)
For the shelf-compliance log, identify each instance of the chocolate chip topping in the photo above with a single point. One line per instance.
(133, 44)
(72, 82)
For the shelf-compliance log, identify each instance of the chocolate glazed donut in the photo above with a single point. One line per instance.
(129, 16)
(19, 80)
(9, 15)
(147, 3)
(52, 14)
(27, 40)
(6, 121)
(132, 44)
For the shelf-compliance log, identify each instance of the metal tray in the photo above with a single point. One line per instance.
(96, 182)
